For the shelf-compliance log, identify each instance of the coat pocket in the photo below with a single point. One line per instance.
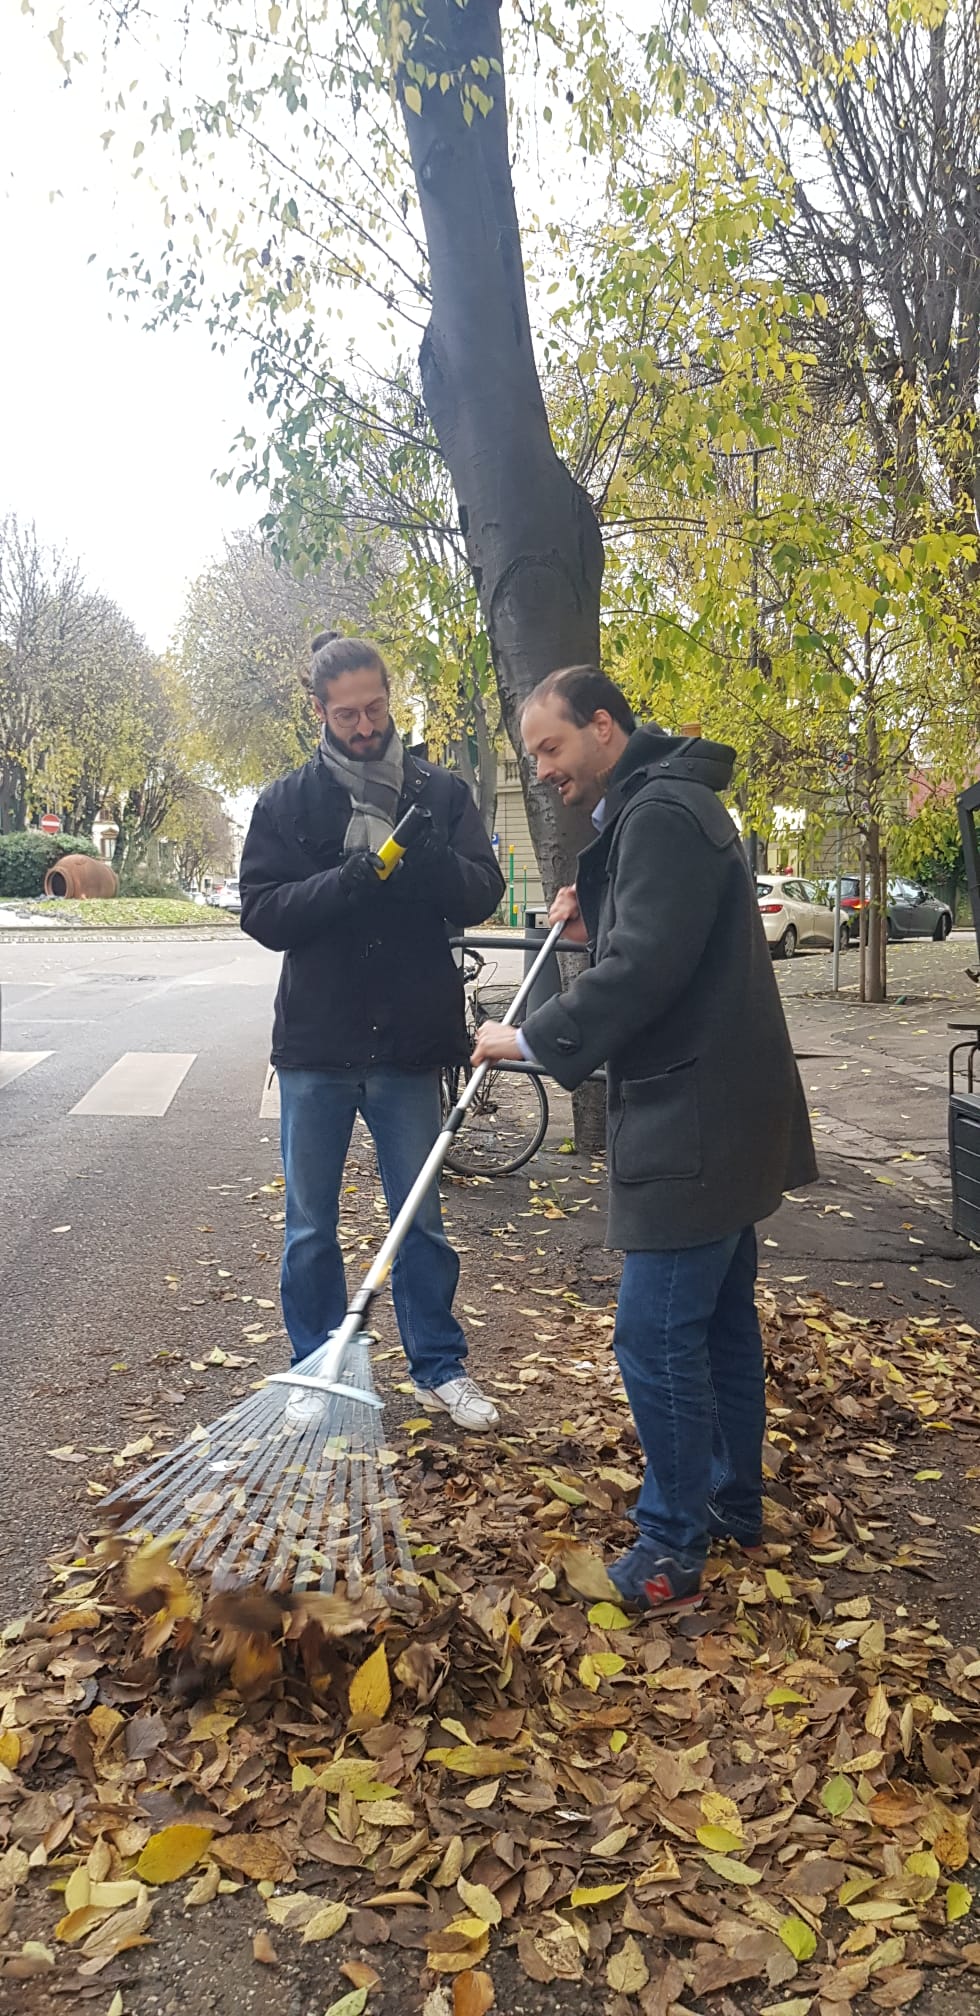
(657, 1133)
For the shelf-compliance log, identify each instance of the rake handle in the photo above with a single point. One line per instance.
(377, 1274)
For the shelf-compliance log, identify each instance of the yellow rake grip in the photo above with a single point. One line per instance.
(391, 850)
(390, 853)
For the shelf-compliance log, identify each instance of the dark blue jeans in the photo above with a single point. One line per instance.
(689, 1348)
(401, 1111)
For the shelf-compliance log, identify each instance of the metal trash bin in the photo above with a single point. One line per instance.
(964, 1136)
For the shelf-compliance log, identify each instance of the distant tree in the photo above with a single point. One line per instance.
(199, 834)
(43, 621)
(244, 649)
(103, 701)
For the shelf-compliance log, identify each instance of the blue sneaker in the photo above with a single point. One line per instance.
(649, 1580)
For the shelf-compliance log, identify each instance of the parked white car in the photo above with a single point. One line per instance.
(228, 897)
(794, 914)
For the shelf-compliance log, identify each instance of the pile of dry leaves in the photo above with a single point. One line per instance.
(776, 1791)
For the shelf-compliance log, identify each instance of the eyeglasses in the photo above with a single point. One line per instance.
(376, 711)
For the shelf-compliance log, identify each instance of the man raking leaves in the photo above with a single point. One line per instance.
(707, 1122)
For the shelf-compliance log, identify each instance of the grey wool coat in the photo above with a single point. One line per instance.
(707, 1121)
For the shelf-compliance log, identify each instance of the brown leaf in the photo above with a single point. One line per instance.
(472, 1994)
(360, 1975)
(585, 1573)
(896, 1991)
(664, 1990)
(263, 1949)
(260, 1856)
(550, 1955)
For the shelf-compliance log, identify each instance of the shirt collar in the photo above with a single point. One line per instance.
(599, 815)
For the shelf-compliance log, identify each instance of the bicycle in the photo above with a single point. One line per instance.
(508, 1119)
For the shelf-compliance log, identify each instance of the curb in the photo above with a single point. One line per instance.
(61, 934)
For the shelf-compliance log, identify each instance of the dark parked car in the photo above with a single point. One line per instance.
(911, 912)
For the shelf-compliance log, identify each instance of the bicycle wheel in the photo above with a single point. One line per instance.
(504, 1126)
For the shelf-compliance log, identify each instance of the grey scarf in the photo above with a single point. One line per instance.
(375, 788)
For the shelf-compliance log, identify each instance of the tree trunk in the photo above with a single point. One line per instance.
(532, 537)
(13, 797)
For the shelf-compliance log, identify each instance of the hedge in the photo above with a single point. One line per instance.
(26, 857)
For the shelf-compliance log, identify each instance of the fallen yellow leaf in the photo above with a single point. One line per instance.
(370, 1689)
(481, 1901)
(627, 1971)
(326, 1920)
(596, 1893)
(476, 1760)
(171, 1853)
(730, 1871)
(958, 1902)
(799, 1937)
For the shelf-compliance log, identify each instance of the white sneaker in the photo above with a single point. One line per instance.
(302, 1409)
(463, 1401)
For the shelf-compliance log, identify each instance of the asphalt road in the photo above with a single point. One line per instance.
(97, 1210)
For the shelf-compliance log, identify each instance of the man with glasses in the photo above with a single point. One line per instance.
(370, 1004)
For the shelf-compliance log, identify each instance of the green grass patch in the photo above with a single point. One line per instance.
(124, 913)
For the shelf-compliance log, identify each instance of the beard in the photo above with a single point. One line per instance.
(363, 748)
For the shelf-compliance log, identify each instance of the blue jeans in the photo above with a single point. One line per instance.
(401, 1110)
(689, 1348)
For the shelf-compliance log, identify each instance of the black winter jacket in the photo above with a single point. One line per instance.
(371, 981)
(708, 1122)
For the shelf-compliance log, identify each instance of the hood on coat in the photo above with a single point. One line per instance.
(650, 752)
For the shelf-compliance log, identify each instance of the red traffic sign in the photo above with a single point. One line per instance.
(51, 823)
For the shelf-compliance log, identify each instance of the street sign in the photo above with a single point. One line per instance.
(51, 823)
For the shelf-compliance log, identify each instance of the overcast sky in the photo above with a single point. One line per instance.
(109, 435)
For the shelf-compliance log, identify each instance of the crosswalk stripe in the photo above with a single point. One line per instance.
(269, 1108)
(13, 1063)
(140, 1084)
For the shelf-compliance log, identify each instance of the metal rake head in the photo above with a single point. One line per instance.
(289, 1492)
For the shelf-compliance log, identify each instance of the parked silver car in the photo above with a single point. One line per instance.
(912, 912)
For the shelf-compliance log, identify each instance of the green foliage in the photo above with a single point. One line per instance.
(929, 848)
(26, 857)
(141, 884)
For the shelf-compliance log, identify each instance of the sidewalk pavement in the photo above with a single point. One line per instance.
(878, 1223)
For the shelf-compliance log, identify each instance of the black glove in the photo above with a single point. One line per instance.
(426, 850)
(358, 873)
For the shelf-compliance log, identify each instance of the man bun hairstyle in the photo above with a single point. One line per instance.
(334, 654)
(582, 691)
